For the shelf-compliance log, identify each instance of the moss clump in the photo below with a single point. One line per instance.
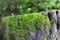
(18, 24)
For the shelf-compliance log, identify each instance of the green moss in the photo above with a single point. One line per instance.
(18, 24)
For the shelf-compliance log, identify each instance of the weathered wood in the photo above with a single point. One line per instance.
(42, 33)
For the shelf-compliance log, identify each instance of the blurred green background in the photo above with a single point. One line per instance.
(27, 6)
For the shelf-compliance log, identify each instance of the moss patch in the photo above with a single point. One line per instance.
(18, 24)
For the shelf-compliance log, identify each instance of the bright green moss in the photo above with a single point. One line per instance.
(18, 24)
